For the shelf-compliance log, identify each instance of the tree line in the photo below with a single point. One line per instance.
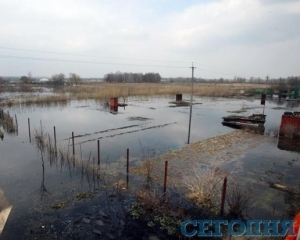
(73, 78)
(59, 79)
(120, 77)
(288, 82)
(56, 79)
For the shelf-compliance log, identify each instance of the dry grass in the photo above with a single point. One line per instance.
(109, 90)
(106, 90)
(8, 123)
(39, 100)
(205, 187)
(240, 200)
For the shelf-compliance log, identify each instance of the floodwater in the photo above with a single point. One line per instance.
(146, 123)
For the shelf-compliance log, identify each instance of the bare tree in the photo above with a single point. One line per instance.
(294, 82)
(25, 79)
(29, 76)
(58, 79)
(75, 79)
(132, 77)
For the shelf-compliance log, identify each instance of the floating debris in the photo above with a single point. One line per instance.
(182, 104)
(280, 108)
(85, 106)
(139, 119)
(237, 111)
(59, 205)
(81, 196)
(179, 103)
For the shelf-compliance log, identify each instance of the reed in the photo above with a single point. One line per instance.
(108, 90)
(8, 123)
(104, 90)
(205, 186)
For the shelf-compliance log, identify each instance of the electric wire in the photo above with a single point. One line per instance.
(86, 55)
(199, 65)
(89, 62)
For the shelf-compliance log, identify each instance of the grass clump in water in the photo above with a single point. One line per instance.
(59, 205)
(139, 119)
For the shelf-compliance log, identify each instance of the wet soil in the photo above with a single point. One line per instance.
(210, 152)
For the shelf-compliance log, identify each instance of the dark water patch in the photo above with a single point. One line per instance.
(263, 165)
(280, 108)
(139, 119)
(289, 144)
(237, 111)
(82, 106)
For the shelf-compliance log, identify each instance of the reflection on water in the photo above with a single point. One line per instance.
(285, 104)
(289, 144)
(114, 109)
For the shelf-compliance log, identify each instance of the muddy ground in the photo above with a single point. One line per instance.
(214, 151)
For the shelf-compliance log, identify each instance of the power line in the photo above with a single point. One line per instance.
(202, 66)
(89, 62)
(86, 55)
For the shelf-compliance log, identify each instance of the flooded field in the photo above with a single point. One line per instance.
(32, 182)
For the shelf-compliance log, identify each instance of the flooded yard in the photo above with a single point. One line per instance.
(32, 183)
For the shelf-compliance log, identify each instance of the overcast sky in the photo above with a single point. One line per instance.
(224, 38)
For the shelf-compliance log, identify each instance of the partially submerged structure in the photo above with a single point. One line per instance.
(253, 122)
(290, 125)
(289, 132)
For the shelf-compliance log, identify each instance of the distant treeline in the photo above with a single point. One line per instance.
(293, 81)
(60, 79)
(132, 77)
(202, 80)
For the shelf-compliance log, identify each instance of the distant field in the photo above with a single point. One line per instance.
(131, 89)
(108, 90)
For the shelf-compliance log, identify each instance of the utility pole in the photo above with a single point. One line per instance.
(267, 80)
(265, 94)
(191, 104)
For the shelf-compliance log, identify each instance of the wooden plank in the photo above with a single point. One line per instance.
(4, 214)
(280, 187)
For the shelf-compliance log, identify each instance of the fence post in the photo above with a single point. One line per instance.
(73, 148)
(127, 170)
(16, 120)
(223, 196)
(29, 130)
(55, 146)
(165, 178)
(98, 152)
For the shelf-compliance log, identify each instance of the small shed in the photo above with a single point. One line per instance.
(43, 80)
